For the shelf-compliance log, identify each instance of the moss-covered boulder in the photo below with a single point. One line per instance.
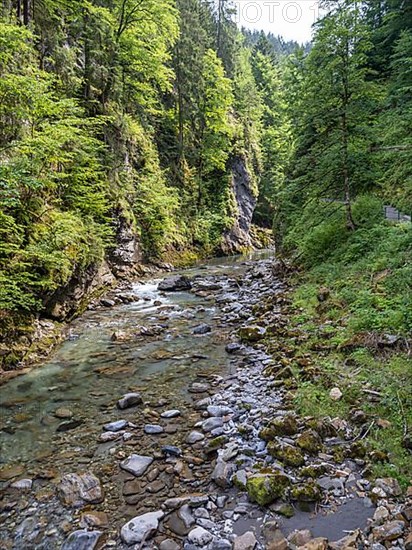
(288, 454)
(266, 488)
(306, 492)
(283, 509)
(252, 333)
(284, 374)
(310, 441)
(282, 425)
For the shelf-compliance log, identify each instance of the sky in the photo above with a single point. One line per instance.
(287, 18)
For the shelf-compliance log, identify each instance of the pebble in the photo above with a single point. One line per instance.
(212, 423)
(171, 414)
(82, 540)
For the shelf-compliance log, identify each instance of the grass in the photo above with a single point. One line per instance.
(344, 302)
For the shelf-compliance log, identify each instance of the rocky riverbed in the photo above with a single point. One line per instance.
(164, 423)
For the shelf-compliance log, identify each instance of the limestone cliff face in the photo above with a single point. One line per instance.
(120, 261)
(236, 239)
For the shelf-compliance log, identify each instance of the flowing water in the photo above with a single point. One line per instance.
(90, 371)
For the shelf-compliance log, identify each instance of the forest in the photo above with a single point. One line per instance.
(136, 111)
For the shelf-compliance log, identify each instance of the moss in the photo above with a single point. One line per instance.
(358, 449)
(283, 425)
(287, 454)
(266, 488)
(313, 471)
(252, 333)
(284, 509)
(306, 492)
(216, 443)
(309, 441)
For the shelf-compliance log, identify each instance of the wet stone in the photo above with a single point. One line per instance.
(77, 489)
(202, 329)
(141, 527)
(136, 464)
(194, 437)
(153, 429)
(82, 540)
(115, 426)
(247, 541)
(129, 400)
(171, 414)
(211, 424)
(200, 537)
(171, 450)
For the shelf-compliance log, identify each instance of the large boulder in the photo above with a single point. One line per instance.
(175, 283)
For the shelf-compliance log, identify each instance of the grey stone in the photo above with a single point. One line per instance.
(212, 423)
(233, 347)
(22, 485)
(222, 474)
(153, 429)
(116, 426)
(140, 528)
(219, 410)
(136, 464)
(198, 387)
(169, 544)
(171, 414)
(200, 537)
(202, 329)
(129, 400)
(81, 540)
(175, 283)
(194, 437)
(78, 489)
(171, 450)
(245, 542)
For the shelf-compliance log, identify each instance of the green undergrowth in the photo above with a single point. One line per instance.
(348, 306)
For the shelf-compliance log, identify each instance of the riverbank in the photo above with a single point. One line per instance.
(207, 448)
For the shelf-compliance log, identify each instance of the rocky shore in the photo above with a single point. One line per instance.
(232, 466)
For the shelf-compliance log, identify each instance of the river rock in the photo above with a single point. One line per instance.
(389, 531)
(136, 464)
(222, 474)
(63, 413)
(171, 450)
(115, 426)
(219, 410)
(233, 347)
(153, 429)
(202, 329)
(389, 485)
(211, 424)
(199, 387)
(319, 543)
(175, 283)
(266, 488)
(140, 528)
(169, 544)
(252, 333)
(247, 541)
(129, 400)
(274, 538)
(171, 414)
(300, 537)
(78, 489)
(23, 485)
(200, 536)
(194, 437)
(82, 540)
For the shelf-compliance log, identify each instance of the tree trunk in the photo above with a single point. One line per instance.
(26, 12)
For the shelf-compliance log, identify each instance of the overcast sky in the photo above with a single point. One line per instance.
(290, 19)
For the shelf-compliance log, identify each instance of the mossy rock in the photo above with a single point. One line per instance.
(358, 449)
(314, 471)
(289, 455)
(284, 374)
(266, 488)
(283, 425)
(323, 426)
(252, 333)
(283, 509)
(216, 443)
(309, 441)
(306, 492)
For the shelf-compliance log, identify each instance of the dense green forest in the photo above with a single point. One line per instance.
(123, 113)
